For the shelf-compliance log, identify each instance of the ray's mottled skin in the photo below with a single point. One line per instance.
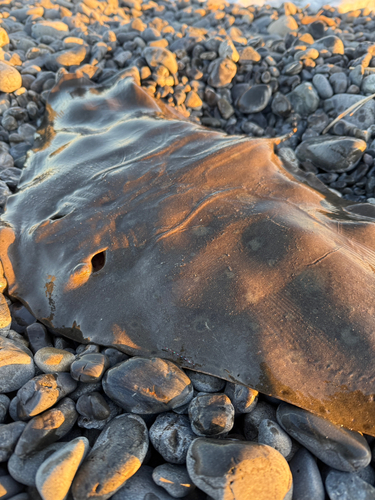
(135, 228)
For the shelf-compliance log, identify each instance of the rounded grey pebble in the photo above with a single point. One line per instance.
(253, 420)
(244, 399)
(322, 85)
(4, 405)
(16, 365)
(24, 470)
(46, 428)
(307, 481)
(336, 446)
(9, 487)
(270, 433)
(205, 383)
(93, 406)
(114, 355)
(226, 469)
(211, 414)
(255, 99)
(122, 447)
(367, 474)
(131, 384)
(9, 435)
(348, 486)
(89, 368)
(142, 487)
(42, 392)
(174, 479)
(171, 435)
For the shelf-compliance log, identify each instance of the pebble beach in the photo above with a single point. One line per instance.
(83, 421)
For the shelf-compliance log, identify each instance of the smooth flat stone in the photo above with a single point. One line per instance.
(141, 486)
(121, 446)
(16, 365)
(55, 476)
(348, 486)
(307, 481)
(229, 469)
(336, 446)
(51, 360)
(132, 383)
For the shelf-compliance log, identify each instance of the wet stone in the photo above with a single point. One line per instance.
(122, 446)
(24, 469)
(252, 420)
(331, 42)
(367, 474)
(98, 424)
(281, 105)
(211, 414)
(42, 392)
(50, 360)
(283, 26)
(205, 383)
(16, 365)
(322, 85)
(174, 479)
(307, 481)
(249, 55)
(89, 368)
(93, 406)
(304, 99)
(331, 153)
(9, 434)
(348, 486)
(141, 486)
(339, 82)
(368, 85)
(222, 72)
(55, 476)
(171, 435)
(336, 446)
(132, 383)
(114, 355)
(47, 428)
(56, 29)
(255, 99)
(244, 399)
(273, 435)
(225, 469)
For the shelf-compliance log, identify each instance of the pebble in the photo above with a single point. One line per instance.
(171, 435)
(283, 26)
(93, 406)
(156, 56)
(244, 399)
(9, 434)
(5, 317)
(51, 360)
(174, 479)
(9, 487)
(307, 481)
(47, 428)
(205, 383)
(55, 29)
(89, 368)
(336, 446)
(348, 486)
(211, 414)
(304, 99)
(42, 392)
(38, 337)
(332, 154)
(363, 118)
(322, 85)
(10, 78)
(255, 99)
(252, 420)
(225, 469)
(222, 72)
(141, 486)
(122, 447)
(131, 384)
(368, 85)
(16, 365)
(4, 405)
(24, 469)
(271, 434)
(281, 105)
(55, 476)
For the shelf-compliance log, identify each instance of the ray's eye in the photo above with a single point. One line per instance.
(98, 261)
(57, 216)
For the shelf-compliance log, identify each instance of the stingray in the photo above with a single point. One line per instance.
(135, 228)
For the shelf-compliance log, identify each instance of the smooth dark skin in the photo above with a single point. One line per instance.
(135, 228)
